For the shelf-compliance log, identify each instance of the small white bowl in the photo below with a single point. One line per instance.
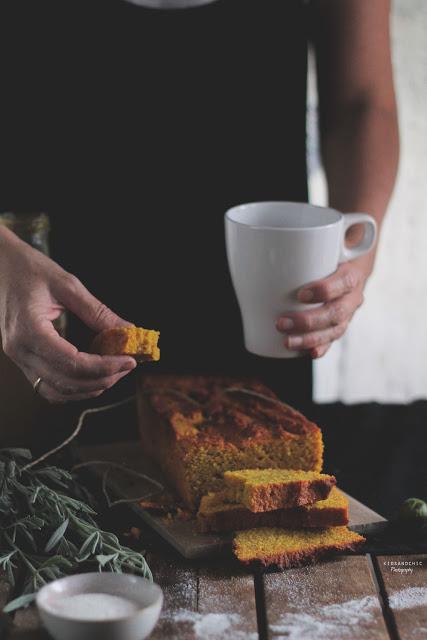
(146, 597)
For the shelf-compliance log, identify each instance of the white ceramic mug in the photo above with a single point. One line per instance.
(273, 249)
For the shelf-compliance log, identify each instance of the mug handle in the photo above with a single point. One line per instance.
(367, 241)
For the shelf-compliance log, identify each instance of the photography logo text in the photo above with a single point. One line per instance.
(404, 567)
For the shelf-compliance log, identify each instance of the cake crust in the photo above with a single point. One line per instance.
(217, 516)
(270, 489)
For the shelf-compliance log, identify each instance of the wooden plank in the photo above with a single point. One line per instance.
(405, 582)
(183, 535)
(327, 601)
(179, 584)
(206, 603)
(226, 605)
(27, 626)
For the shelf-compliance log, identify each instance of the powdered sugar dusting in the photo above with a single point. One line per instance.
(339, 620)
(408, 598)
(214, 623)
(184, 591)
(329, 621)
(213, 626)
(213, 604)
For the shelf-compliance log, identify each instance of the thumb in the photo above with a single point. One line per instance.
(77, 299)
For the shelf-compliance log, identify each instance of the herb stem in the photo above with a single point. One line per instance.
(261, 396)
(77, 430)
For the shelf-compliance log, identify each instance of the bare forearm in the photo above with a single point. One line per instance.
(360, 153)
(358, 114)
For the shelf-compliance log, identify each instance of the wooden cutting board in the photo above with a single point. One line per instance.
(182, 534)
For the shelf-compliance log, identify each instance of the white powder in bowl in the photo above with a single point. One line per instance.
(93, 606)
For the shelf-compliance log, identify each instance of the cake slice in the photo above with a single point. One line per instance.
(292, 547)
(262, 490)
(128, 341)
(197, 427)
(217, 516)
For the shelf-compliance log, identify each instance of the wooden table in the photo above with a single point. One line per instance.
(350, 597)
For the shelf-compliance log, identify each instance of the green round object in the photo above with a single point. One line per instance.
(413, 509)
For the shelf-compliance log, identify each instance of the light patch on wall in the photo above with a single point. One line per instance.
(383, 356)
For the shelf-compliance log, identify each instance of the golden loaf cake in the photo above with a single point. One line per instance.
(198, 427)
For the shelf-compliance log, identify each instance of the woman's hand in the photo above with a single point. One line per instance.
(314, 330)
(34, 291)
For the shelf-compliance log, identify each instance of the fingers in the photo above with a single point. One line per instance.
(75, 297)
(62, 358)
(314, 330)
(67, 374)
(318, 352)
(53, 397)
(68, 389)
(57, 393)
(331, 314)
(345, 279)
(314, 339)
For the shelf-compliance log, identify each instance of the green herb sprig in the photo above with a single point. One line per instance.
(47, 529)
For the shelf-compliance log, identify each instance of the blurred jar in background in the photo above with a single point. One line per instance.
(20, 407)
(31, 227)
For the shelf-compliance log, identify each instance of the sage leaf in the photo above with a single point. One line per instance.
(57, 560)
(48, 504)
(56, 536)
(17, 603)
(103, 559)
(95, 544)
(17, 453)
(84, 552)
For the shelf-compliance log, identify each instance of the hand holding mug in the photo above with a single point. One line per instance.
(290, 268)
(340, 295)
